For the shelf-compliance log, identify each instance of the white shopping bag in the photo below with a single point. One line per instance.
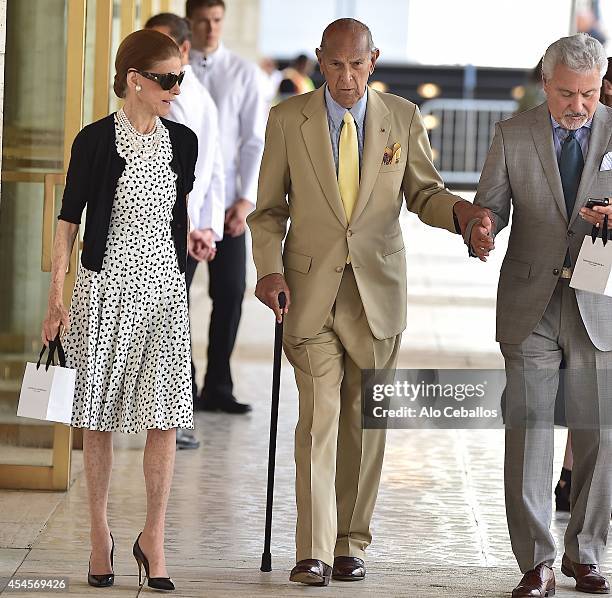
(47, 391)
(593, 267)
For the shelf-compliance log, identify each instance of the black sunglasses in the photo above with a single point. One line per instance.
(166, 81)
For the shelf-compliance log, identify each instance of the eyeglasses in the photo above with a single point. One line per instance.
(166, 81)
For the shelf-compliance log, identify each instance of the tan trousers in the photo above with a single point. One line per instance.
(338, 464)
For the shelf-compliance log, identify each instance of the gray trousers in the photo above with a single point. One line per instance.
(532, 371)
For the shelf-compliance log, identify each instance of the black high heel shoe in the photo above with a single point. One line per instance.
(157, 583)
(562, 494)
(107, 579)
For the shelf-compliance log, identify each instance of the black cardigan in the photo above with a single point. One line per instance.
(93, 173)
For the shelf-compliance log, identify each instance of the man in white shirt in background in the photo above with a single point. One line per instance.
(206, 207)
(235, 86)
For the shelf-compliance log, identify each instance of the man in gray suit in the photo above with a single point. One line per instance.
(545, 163)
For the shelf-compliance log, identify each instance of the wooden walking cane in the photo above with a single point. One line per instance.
(266, 557)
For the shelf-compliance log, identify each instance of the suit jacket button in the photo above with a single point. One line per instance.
(349, 233)
(570, 233)
(339, 269)
(556, 271)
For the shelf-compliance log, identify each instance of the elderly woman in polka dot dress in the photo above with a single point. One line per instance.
(127, 331)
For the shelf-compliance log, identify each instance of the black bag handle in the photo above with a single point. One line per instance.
(54, 345)
(61, 356)
(605, 233)
(49, 357)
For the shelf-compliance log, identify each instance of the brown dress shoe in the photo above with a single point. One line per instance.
(536, 583)
(312, 572)
(348, 568)
(588, 578)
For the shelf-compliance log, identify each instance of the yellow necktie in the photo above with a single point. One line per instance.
(348, 165)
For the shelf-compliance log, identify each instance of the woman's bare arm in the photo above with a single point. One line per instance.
(57, 315)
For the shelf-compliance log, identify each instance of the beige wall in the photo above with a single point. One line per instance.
(241, 25)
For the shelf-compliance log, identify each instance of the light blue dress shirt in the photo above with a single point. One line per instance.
(335, 116)
(583, 135)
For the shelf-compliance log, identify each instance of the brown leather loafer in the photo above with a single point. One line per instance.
(588, 578)
(312, 572)
(536, 583)
(348, 568)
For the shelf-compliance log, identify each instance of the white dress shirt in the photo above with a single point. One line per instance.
(235, 86)
(195, 108)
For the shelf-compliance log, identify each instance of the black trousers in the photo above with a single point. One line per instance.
(226, 286)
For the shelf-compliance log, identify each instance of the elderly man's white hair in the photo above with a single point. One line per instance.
(580, 53)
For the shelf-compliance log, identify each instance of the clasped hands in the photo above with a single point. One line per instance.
(481, 237)
(201, 244)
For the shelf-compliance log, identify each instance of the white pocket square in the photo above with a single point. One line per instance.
(606, 163)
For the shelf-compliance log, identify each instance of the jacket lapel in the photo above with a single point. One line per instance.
(541, 131)
(377, 130)
(315, 131)
(598, 142)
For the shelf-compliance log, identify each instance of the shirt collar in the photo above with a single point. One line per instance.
(198, 57)
(556, 125)
(336, 112)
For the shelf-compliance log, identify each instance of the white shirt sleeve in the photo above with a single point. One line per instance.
(206, 207)
(252, 132)
(212, 209)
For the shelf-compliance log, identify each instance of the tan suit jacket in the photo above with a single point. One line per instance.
(298, 182)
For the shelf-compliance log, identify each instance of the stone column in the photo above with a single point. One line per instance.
(2, 49)
(241, 32)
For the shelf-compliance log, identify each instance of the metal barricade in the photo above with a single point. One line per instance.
(460, 132)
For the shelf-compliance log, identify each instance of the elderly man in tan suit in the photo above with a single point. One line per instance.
(338, 162)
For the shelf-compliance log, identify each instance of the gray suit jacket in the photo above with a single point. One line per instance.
(521, 170)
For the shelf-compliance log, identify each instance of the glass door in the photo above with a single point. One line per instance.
(43, 110)
(57, 79)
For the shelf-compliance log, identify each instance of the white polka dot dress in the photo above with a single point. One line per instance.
(129, 327)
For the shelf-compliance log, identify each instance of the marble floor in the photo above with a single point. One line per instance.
(439, 527)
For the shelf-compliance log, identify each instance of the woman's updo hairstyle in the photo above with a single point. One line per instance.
(141, 50)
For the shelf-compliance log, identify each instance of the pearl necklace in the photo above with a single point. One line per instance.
(145, 145)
